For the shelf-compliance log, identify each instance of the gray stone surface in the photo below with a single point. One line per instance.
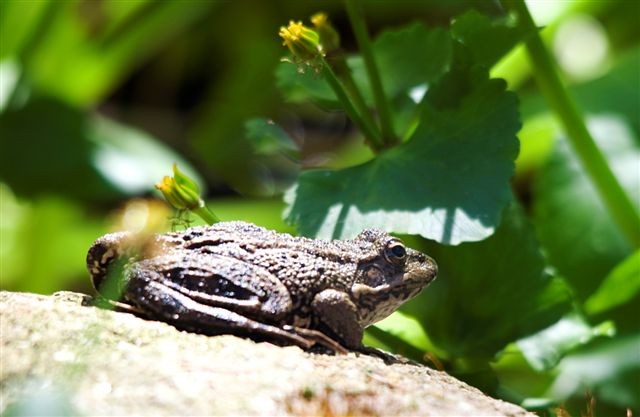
(59, 357)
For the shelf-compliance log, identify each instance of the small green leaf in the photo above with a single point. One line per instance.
(544, 350)
(449, 183)
(412, 56)
(620, 286)
(268, 138)
(300, 85)
(406, 328)
(131, 159)
(489, 293)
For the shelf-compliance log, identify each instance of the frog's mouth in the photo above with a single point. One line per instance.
(376, 303)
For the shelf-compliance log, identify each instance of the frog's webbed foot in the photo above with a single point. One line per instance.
(103, 302)
(158, 300)
(319, 338)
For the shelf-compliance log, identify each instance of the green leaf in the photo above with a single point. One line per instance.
(579, 235)
(619, 287)
(544, 350)
(490, 293)
(487, 40)
(268, 138)
(609, 368)
(448, 183)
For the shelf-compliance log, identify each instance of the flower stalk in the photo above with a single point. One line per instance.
(184, 194)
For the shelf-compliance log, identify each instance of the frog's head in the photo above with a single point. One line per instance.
(391, 275)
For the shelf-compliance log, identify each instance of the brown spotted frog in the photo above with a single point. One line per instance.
(236, 277)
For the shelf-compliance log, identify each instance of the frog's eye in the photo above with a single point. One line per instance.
(395, 251)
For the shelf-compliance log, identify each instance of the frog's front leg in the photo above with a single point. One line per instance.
(158, 300)
(336, 311)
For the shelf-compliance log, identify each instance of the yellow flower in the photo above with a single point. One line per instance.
(329, 37)
(303, 42)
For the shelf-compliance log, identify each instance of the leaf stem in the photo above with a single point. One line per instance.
(362, 37)
(611, 192)
(368, 128)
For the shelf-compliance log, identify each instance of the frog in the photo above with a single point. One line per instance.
(239, 278)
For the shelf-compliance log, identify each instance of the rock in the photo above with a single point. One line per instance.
(60, 357)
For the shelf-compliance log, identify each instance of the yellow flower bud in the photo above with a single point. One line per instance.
(303, 42)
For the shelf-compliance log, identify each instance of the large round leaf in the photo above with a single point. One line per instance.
(449, 183)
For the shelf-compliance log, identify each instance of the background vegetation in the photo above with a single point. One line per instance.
(537, 297)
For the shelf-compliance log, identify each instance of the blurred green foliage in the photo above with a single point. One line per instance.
(537, 303)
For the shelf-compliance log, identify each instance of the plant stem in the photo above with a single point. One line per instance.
(362, 37)
(206, 214)
(611, 192)
(370, 131)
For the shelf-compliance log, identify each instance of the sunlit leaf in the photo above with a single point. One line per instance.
(131, 159)
(48, 147)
